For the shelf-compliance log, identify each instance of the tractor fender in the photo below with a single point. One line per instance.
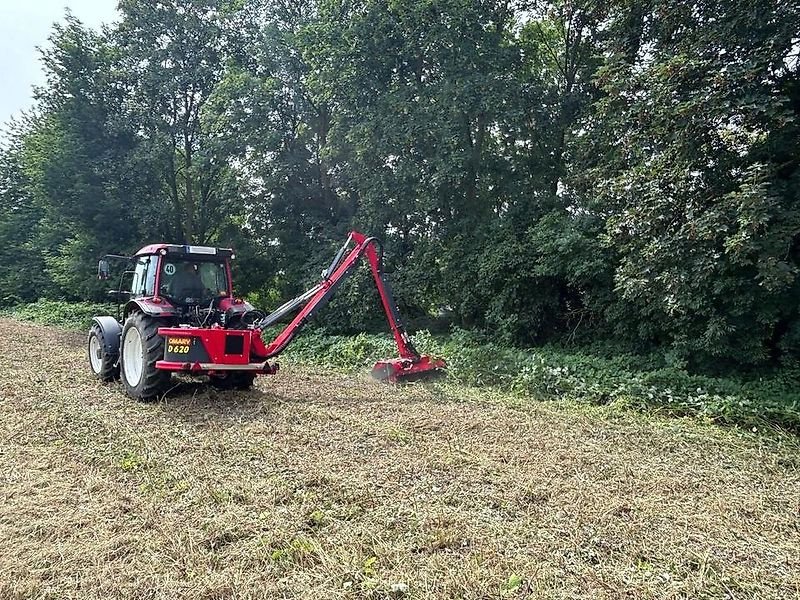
(148, 307)
(110, 330)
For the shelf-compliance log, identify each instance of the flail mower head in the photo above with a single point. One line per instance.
(397, 370)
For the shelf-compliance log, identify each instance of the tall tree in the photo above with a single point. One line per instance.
(22, 269)
(173, 54)
(75, 158)
(693, 168)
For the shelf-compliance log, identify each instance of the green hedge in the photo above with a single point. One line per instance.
(73, 315)
(557, 373)
(644, 382)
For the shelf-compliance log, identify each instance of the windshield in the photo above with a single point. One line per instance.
(193, 281)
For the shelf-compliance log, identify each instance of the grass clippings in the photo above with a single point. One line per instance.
(321, 485)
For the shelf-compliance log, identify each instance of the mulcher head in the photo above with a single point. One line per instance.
(404, 369)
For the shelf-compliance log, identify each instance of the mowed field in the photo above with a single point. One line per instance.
(318, 484)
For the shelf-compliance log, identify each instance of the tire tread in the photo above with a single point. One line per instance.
(154, 381)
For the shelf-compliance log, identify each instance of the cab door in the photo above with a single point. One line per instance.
(144, 276)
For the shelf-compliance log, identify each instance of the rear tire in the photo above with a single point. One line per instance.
(103, 365)
(140, 348)
(237, 380)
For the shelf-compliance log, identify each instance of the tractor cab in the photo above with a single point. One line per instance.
(182, 275)
(189, 284)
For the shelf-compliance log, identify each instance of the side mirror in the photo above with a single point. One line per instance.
(103, 270)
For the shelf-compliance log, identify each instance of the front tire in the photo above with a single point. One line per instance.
(103, 364)
(140, 348)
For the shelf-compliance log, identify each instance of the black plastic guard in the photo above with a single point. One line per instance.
(111, 331)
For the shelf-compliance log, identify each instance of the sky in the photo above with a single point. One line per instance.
(24, 25)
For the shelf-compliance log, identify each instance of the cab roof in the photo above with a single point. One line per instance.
(185, 250)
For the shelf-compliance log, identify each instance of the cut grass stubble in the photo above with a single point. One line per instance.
(327, 485)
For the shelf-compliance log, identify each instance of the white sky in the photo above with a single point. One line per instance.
(24, 25)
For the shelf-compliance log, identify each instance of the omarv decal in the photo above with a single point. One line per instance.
(179, 345)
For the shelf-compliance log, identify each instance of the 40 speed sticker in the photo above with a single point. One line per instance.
(169, 269)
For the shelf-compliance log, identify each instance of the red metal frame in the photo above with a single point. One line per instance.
(410, 361)
(157, 284)
(364, 245)
(257, 354)
(389, 306)
(212, 340)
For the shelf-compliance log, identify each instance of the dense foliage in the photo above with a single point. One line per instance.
(71, 315)
(540, 171)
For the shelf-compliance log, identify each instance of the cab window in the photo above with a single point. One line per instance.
(144, 276)
(186, 278)
(214, 277)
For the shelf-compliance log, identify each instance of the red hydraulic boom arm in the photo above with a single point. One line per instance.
(409, 363)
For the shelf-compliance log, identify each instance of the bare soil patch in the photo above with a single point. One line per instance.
(320, 485)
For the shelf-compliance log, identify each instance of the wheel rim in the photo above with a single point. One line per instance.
(132, 357)
(95, 354)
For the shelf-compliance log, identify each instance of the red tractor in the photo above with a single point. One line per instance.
(180, 315)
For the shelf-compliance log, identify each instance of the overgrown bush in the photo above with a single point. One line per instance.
(74, 315)
(548, 372)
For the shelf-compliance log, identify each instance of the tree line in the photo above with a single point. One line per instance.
(564, 171)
